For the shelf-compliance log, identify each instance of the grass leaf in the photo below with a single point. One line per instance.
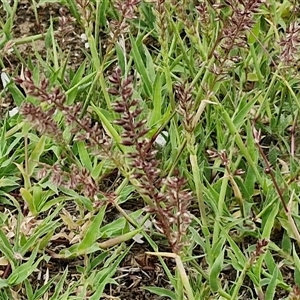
(92, 232)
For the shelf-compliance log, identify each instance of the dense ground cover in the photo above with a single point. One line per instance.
(149, 149)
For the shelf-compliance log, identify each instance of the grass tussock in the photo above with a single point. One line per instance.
(149, 150)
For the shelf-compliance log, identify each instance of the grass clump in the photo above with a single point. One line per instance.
(94, 205)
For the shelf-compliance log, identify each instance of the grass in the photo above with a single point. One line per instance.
(83, 180)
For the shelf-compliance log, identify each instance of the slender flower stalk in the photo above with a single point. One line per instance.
(290, 45)
(43, 118)
(169, 206)
(269, 170)
(233, 33)
(127, 11)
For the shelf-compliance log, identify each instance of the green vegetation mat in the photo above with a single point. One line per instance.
(149, 149)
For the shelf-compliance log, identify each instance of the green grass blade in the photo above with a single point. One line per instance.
(23, 271)
(85, 157)
(7, 249)
(271, 289)
(92, 232)
(161, 292)
(59, 287)
(141, 68)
